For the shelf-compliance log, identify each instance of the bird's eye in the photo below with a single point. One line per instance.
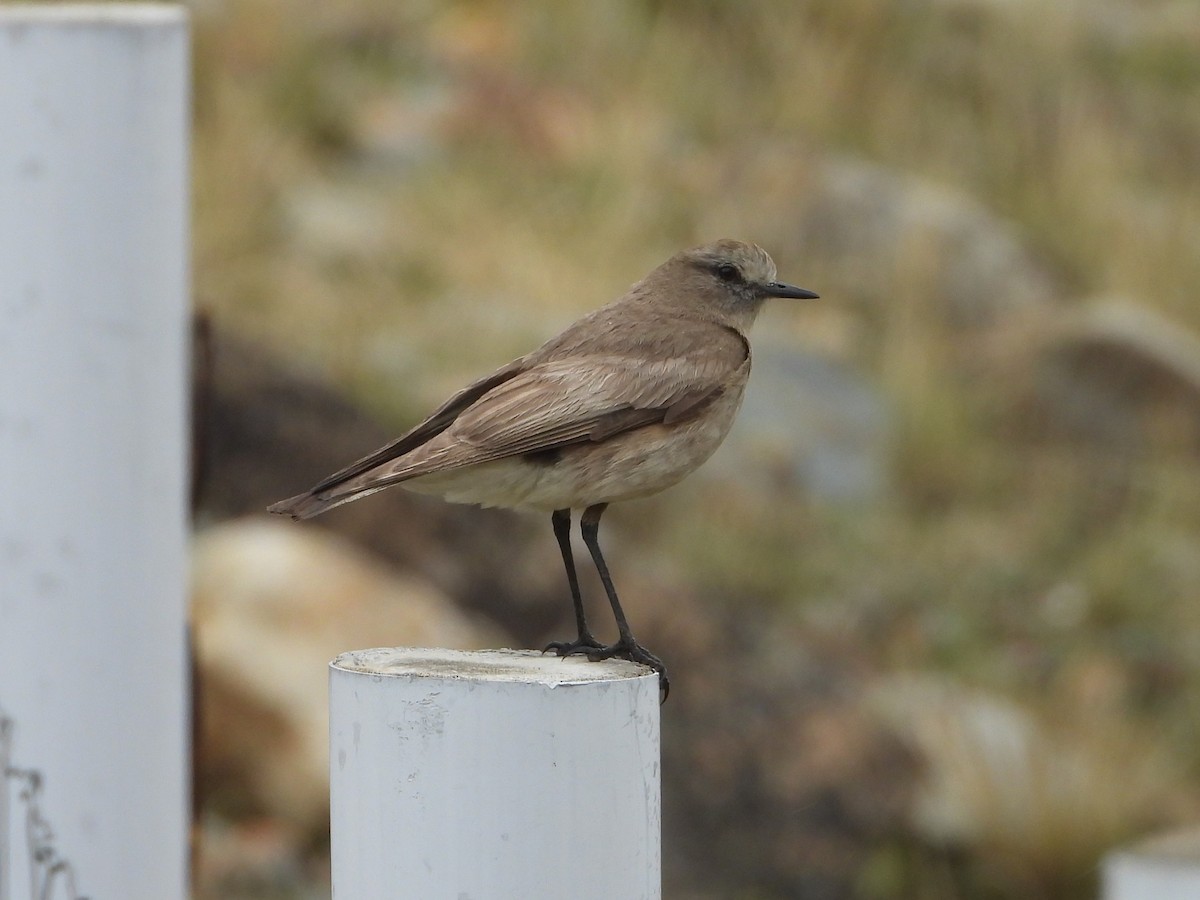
(728, 272)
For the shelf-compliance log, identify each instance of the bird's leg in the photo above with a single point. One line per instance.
(625, 647)
(561, 520)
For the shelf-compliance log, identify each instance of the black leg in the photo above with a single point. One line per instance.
(626, 647)
(561, 520)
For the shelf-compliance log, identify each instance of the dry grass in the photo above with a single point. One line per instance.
(556, 146)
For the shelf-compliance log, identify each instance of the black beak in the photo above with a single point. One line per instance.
(778, 289)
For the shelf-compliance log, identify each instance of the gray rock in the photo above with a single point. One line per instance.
(332, 220)
(811, 425)
(1054, 791)
(1122, 376)
(872, 227)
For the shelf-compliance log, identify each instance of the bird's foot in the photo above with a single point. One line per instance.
(584, 644)
(634, 652)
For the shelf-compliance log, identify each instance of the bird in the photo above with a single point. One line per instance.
(622, 404)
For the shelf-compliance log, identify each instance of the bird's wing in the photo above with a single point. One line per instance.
(582, 397)
(435, 424)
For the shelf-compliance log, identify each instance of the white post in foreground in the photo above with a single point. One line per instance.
(1166, 867)
(93, 353)
(493, 775)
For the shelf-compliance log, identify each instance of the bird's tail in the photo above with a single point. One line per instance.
(305, 506)
(356, 482)
(302, 506)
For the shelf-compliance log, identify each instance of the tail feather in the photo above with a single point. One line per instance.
(305, 506)
(302, 506)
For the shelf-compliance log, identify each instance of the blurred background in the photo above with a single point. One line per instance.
(933, 612)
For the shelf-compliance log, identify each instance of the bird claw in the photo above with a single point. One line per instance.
(588, 646)
(584, 644)
(635, 652)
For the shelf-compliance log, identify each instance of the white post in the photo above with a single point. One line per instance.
(93, 352)
(493, 775)
(1166, 867)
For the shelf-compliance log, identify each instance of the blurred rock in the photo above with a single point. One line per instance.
(271, 605)
(264, 431)
(1121, 376)
(404, 127)
(809, 425)
(1054, 794)
(871, 227)
(336, 221)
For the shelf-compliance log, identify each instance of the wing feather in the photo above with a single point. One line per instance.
(588, 399)
(433, 425)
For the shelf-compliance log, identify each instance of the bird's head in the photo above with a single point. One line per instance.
(729, 278)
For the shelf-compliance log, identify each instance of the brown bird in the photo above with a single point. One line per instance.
(624, 403)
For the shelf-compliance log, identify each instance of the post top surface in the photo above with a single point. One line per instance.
(92, 13)
(487, 665)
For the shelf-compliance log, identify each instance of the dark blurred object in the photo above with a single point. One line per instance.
(776, 775)
(255, 859)
(264, 431)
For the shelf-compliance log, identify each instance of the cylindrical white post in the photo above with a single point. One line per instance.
(93, 363)
(494, 775)
(1166, 867)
